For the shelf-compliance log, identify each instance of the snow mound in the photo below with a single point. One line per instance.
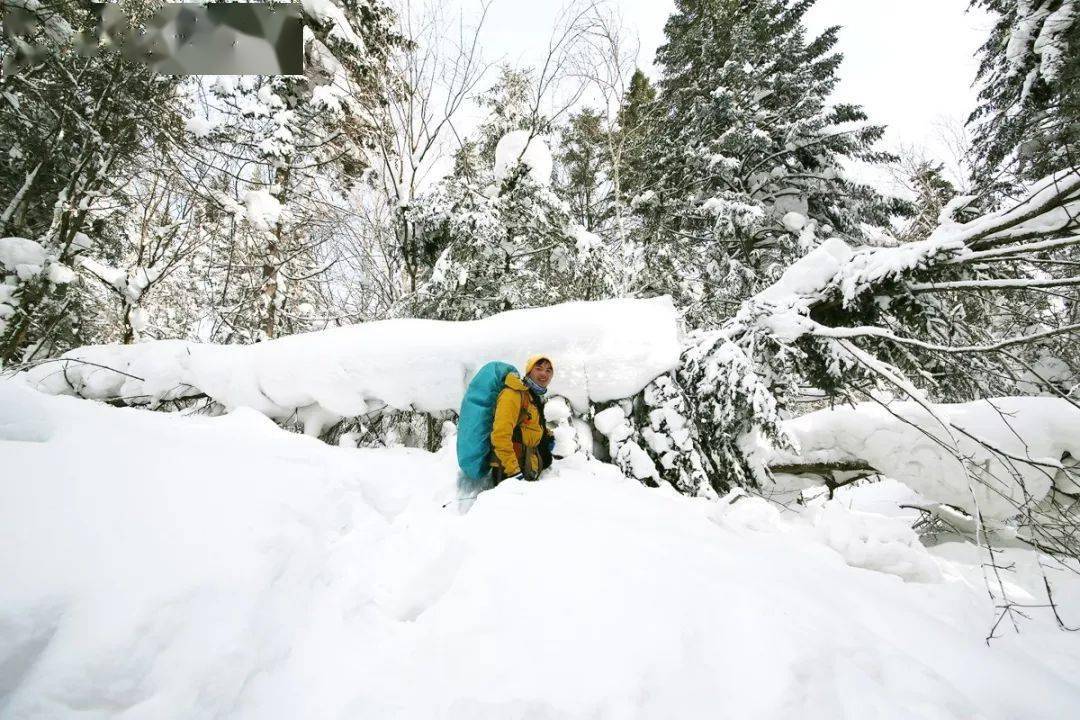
(875, 542)
(602, 351)
(1012, 446)
(160, 566)
(517, 146)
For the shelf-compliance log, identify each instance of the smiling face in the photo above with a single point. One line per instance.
(542, 373)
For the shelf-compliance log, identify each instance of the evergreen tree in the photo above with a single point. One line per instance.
(502, 240)
(933, 193)
(1027, 124)
(587, 179)
(636, 123)
(509, 108)
(745, 169)
(585, 170)
(507, 246)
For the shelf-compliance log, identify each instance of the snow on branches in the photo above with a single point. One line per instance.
(850, 319)
(1029, 95)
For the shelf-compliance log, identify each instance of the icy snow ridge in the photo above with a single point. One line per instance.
(602, 351)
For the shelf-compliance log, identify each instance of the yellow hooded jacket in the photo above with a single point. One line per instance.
(516, 410)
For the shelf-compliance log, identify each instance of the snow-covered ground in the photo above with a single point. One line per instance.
(159, 566)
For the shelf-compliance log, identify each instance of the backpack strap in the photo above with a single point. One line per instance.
(527, 452)
(523, 413)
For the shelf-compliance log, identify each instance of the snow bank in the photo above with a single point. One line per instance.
(906, 442)
(157, 566)
(602, 351)
(870, 541)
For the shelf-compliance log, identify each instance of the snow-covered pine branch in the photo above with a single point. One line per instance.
(1025, 123)
(806, 327)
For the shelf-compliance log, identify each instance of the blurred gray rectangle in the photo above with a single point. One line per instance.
(214, 39)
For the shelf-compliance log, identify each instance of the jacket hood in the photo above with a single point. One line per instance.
(514, 382)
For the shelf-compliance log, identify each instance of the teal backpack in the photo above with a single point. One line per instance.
(477, 416)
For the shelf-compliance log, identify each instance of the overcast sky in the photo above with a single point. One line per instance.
(909, 63)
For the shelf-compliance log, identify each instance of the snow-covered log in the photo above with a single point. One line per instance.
(989, 457)
(602, 351)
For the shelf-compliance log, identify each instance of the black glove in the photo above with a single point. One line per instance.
(547, 444)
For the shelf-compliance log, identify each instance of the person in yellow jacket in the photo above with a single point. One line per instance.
(520, 442)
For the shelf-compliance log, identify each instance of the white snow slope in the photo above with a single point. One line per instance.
(160, 566)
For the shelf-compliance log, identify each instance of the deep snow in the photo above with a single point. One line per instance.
(160, 566)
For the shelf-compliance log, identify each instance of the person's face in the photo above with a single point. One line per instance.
(541, 373)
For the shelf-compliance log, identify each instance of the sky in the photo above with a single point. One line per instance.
(910, 63)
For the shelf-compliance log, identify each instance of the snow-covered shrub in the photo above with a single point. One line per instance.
(615, 423)
(565, 426)
(28, 270)
(651, 438)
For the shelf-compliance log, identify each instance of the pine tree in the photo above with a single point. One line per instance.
(501, 241)
(636, 122)
(933, 193)
(746, 169)
(587, 179)
(1027, 124)
(585, 170)
(509, 108)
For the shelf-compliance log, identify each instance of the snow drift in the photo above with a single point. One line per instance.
(602, 351)
(161, 566)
